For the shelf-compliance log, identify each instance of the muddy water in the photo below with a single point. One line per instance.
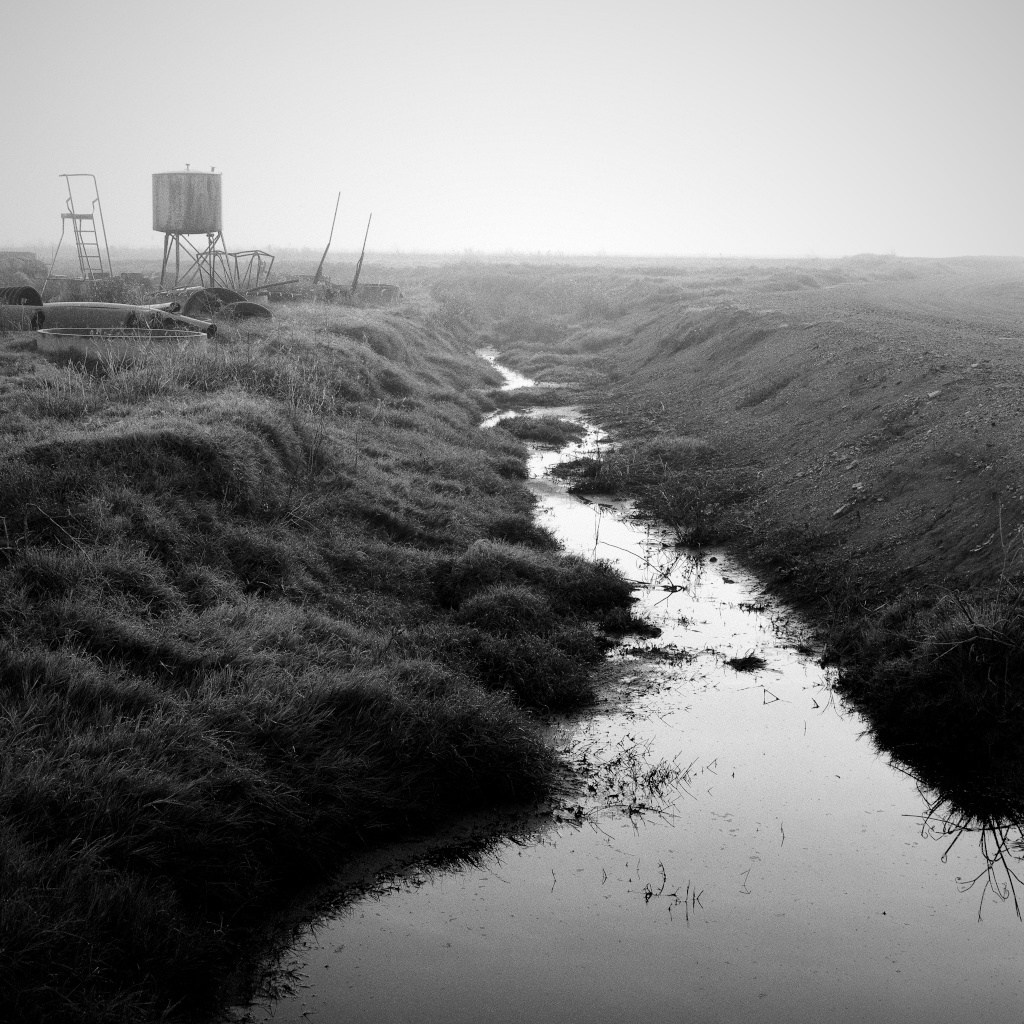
(741, 853)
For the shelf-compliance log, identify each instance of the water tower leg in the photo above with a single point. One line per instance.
(167, 253)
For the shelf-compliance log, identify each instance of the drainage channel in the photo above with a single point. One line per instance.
(741, 852)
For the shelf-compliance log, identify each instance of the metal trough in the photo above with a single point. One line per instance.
(116, 344)
(115, 315)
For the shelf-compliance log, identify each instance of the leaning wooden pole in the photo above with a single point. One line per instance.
(320, 269)
(359, 265)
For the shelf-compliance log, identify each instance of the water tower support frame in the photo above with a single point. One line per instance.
(201, 263)
(213, 266)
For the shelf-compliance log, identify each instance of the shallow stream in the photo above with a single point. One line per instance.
(740, 853)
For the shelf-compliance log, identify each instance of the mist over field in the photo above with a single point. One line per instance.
(741, 128)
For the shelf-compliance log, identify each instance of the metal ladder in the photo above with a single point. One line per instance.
(87, 231)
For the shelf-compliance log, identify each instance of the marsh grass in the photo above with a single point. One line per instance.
(256, 611)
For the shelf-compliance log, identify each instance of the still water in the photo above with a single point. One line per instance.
(740, 853)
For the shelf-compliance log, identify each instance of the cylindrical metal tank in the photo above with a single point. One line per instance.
(186, 202)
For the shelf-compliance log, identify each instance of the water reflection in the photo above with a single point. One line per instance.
(975, 803)
(728, 846)
(1000, 842)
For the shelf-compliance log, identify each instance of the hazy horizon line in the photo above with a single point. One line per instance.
(156, 251)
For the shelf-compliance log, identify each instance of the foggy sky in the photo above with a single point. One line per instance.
(776, 128)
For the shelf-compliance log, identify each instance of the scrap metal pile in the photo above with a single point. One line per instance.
(79, 314)
(99, 327)
(22, 309)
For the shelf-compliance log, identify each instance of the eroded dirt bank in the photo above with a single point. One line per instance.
(887, 411)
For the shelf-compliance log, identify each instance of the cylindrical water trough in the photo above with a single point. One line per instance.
(117, 315)
(112, 344)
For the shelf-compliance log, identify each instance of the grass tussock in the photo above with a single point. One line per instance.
(672, 479)
(549, 431)
(749, 662)
(261, 603)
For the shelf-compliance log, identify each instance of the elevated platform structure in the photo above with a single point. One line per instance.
(84, 214)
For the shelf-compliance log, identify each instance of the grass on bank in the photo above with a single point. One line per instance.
(936, 672)
(256, 610)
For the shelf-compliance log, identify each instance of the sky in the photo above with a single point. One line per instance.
(791, 128)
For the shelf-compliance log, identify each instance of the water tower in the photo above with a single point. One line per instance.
(188, 203)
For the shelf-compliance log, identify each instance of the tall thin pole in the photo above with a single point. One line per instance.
(359, 265)
(320, 269)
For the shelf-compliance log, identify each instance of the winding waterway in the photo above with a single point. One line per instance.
(742, 852)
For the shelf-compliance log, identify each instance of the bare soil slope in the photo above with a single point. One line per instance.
(886, 407)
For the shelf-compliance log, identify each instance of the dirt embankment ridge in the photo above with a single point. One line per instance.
(887, 412)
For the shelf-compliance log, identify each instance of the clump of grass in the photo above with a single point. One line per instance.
(572, 584)
(521, 528)
(506, 609)
(701, 508)
(637, 464)
(550, 431)
(749, 662)
(547, 671)
(673, 480)
(525, 398)
(524, 620)
(624, 622)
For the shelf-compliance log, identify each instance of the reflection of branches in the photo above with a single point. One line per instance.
(626, 779)
(660, 560)
(1000, 841)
